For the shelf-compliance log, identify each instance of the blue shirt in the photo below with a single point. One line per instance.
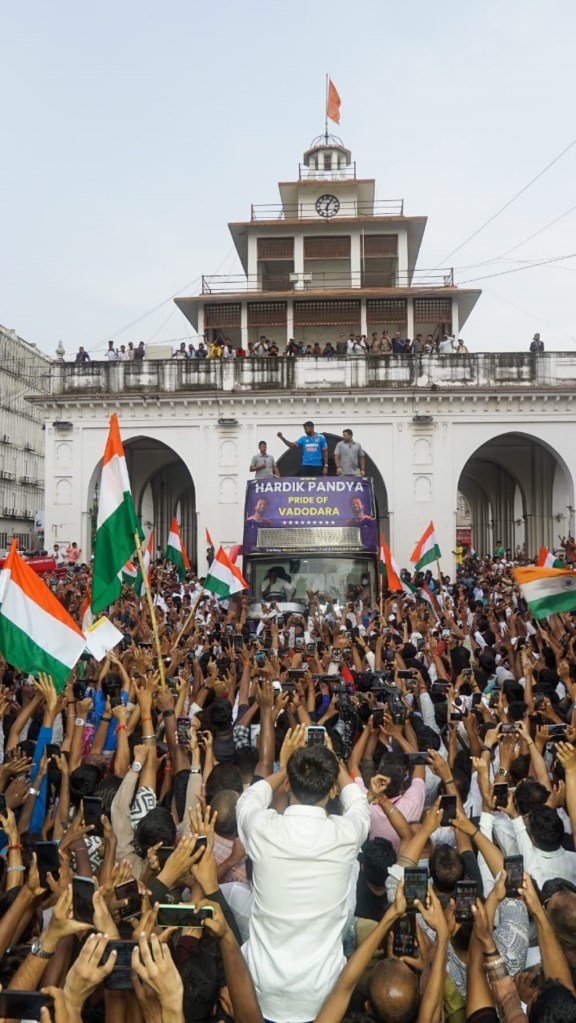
(312, 448)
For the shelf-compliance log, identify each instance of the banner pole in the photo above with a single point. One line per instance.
(189, 617)
(146, 583)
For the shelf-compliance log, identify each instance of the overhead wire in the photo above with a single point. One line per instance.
(508, 204)
(518, 269)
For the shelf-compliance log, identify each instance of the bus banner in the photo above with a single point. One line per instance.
(318, 502)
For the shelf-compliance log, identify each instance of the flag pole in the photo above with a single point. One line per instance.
(189, 617)
(326, 113)
(146, 583)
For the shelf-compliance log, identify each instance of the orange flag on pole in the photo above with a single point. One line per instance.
(333, 102)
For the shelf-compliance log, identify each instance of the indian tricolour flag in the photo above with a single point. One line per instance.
(117, 523)
(36, 632)
(389, 570)
(224, 579)
(426, 550)
(129, 574)
(547, 590)
(547, 560)
(175, 551)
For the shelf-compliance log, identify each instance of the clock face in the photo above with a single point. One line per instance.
(327, 206)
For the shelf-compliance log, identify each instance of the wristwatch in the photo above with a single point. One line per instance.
(137, 766)
(80, 722)
(37, 950)
(502, 770)
(169, 713)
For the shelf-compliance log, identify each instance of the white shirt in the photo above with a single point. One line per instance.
(446, 346)
(303, 862)
(543, 866)
(111, 354)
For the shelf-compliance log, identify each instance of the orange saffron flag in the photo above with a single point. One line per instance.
(333, 103)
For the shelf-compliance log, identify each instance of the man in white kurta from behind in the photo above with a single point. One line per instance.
(302, 866)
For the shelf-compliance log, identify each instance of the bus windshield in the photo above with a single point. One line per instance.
(292, 579)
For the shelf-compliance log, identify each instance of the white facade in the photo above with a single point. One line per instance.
(328, 259)
(499, 429)
(23, 370)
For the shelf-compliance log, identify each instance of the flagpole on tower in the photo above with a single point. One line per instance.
(326, 110)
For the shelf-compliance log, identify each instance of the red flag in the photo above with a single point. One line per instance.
(209, 539)
(234, 552)
(333, 102)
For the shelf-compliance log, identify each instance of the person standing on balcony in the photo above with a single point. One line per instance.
(461, 348)
(314, 451)
(123, 354)
(349, 456)
(140, 352)
(82, 355)
(447, 344)
(111, 354)
(341, 344)
(181, 352)
(537, 344)
(263, 465)
(262, 346)
(398, 344)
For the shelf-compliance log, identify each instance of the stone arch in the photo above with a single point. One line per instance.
(162, 488)
(289, 464)
(520, 490)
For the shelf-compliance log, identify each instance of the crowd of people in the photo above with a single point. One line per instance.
(217, 346)
(362, 813)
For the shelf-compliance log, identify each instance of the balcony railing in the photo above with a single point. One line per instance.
(215, 284)
(306, 173)
(348, 208)
(493, 371)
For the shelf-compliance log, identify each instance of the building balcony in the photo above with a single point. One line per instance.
(348, 208)
(318, 280)
(151, 379)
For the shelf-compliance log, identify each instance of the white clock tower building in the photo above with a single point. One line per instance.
(329, 258)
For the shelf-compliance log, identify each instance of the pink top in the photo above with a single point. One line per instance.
(410, 804)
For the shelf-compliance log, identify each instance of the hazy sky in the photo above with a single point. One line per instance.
(132, 132)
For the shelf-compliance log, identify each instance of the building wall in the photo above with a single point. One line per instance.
(23, 370)
(420, 436)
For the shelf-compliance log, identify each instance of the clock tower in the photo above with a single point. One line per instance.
(330, 258)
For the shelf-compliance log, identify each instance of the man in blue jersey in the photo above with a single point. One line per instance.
(314, 451)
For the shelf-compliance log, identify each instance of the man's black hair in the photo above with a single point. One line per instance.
(312, 772)
(218, 717)
(546, 828)
(554, 1004)
(427, 738)
(224, 776)
(157, 826)
(246, 759)
(394, 768)
(446, 867)
(84, 781)
(530, 795)
(377, 855)
(517, 710)
(519, 769)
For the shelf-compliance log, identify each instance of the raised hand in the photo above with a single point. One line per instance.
(86, 973)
